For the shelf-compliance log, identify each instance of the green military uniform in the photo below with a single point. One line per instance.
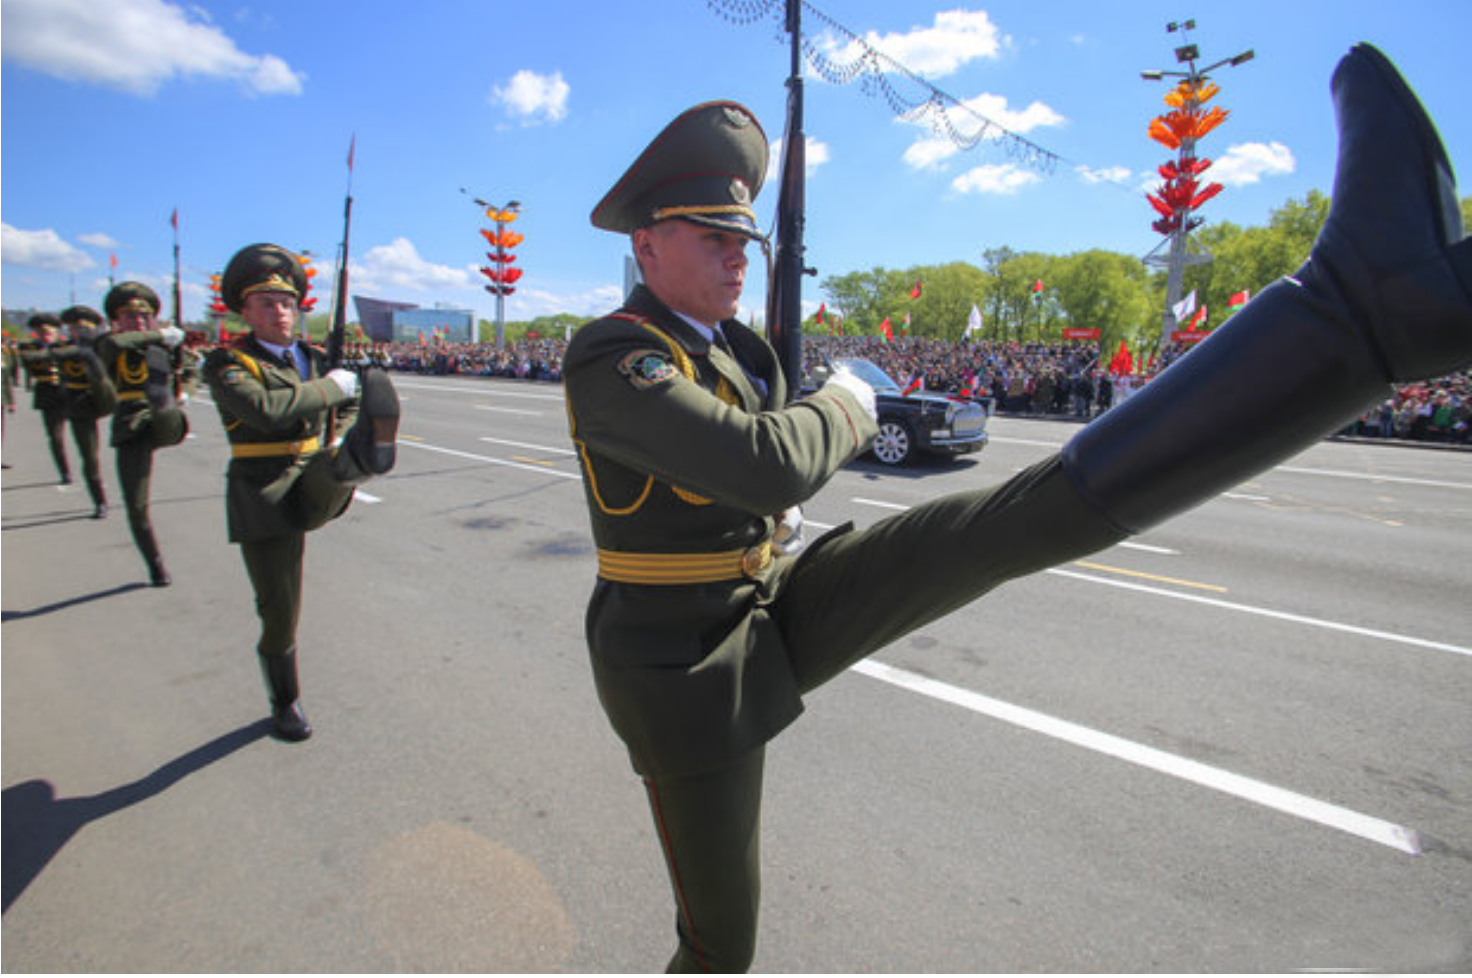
(140, 365)
(48, 396)
(284, 478)
(702, 646)
(90, 395)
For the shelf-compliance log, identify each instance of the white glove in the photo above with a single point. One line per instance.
(345, 379)
(857, 388)
(172, 336)
(787, 537)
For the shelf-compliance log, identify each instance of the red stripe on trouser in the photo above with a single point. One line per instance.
(669, 858)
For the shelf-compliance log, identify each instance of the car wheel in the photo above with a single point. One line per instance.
(894, 445)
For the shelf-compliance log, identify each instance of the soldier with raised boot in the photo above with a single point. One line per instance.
(282, 404)
(704, 638)
(138, 356)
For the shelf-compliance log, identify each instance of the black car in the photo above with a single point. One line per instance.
(919, 421)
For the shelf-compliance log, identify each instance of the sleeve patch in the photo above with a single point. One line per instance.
(647, 368)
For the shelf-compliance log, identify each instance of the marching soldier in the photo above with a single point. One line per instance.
(281, 405)
(704, 639)
(90, 394)
(138, 357)
(43, 376)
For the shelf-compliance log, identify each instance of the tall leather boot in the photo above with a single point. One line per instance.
(169, 424)
(288, 720)
(143, 537)
(99, 499)
(1386, 296)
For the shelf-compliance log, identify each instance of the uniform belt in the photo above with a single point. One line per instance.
(643, 568)
(271, 449)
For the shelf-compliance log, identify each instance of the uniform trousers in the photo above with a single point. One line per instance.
(274, 566)
(84, 433)
(841, 600)
(135, 476)
(321, 492)
(54, 419)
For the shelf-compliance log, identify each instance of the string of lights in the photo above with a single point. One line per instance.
(874, 70)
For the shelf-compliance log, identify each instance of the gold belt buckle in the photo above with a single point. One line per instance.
(756, 559)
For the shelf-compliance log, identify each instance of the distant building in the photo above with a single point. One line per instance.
(404, 322)
(376, 316)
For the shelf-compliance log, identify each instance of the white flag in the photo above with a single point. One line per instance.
(973, 324)
(1185, 307)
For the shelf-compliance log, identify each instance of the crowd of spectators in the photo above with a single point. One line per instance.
(1034, 379)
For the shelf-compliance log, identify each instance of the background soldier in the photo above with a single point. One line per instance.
(90, 394)
(138, 360)
(277, 399)
(703, 644)
(43, 376)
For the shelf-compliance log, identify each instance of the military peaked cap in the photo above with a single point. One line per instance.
(78, 315)
(707, 167)
(42, 319)
(261, 268)
(123, 296)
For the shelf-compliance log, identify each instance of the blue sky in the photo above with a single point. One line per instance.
(240, 115)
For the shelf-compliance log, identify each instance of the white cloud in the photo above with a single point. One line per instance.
(398, 266)
(957, 37)
(1109, 174)
(814, 155)
(133, 45)
(1005, 178)
(41, 249)
(97, 240)
(533, 98)
(1249, 162)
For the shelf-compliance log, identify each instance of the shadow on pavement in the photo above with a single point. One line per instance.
(37, 824)
(47, 609)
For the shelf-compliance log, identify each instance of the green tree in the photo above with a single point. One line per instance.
(1102, 290)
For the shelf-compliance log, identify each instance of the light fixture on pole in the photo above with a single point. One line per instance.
(1182, 193)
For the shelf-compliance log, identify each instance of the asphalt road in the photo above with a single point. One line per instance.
(1241, 742)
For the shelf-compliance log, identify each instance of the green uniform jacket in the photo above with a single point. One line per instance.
(122, 356)
(44, 375)
(264, 402)
(682, 454)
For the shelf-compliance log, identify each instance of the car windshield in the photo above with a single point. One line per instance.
(867, 372)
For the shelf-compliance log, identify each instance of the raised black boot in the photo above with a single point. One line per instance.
(368, 448)
(1386, 296)
(169, 424)
(287, 719)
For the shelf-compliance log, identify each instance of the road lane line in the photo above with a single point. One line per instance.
(527, 444)
(1372, 477)
(1249, 789)
(506, 410)
(493, 461)
(1269, 613)
(1150, 577)
(1233, 606)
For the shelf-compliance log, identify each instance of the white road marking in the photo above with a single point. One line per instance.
(1269, 796)
(503, 410)
(1372, 477)
(523, 444)
(491, 461)
(1270, 613)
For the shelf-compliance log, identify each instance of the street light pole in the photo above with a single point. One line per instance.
(1179, 255)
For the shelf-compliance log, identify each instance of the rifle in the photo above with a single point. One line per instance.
(784, 293)
(337, 334)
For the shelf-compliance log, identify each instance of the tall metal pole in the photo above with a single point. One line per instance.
(784, 298)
